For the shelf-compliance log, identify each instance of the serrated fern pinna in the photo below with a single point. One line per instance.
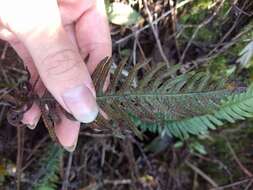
(47, 176)
(163, 102)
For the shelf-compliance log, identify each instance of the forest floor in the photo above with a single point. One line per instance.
(206, 35)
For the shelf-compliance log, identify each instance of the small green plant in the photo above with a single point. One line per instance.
(49, 169)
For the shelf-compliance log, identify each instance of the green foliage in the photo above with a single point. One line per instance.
(122, 14)
(246, 55)
(199, 9)
(196, 146)
(49, 169)
(240, 138)
(225, 9)
(243, 42)
(191, 103)
(218, 65)
(234, 107)
(196, 12)
(205, 35)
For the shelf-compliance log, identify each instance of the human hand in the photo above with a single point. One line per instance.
(53, 38)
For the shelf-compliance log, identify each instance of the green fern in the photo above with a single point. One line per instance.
(47, 175)
(239, 106)
(190, 103)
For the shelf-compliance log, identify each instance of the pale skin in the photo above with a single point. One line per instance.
(53, 37)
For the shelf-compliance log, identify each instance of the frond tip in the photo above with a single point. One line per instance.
(232, 108)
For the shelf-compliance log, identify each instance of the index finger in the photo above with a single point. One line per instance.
(93, 35)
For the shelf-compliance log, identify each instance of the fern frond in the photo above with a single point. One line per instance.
(47, 175)
(234, 107)
(163, 102)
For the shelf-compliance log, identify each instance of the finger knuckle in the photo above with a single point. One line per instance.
(63, 64)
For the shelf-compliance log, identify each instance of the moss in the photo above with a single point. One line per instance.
(193, 18)
(196, 12)
(206, 35)
(240, 140)
(225, 8)
(244, 40)
(218, 65)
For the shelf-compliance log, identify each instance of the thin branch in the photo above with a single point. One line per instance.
(2, 57)
(228, 33)
(174, 25)
(243, 12)
(202, 174)
(118, 182)
(249, 185)
(20, 147)
(6, 45)
(30, 157)
(134, 57)
(244, 169)
(38, 145)
(179, 5)
(65, 183)
(206, 58)
(232, 184)
(158, 42)
(96, 135)
(201, 25)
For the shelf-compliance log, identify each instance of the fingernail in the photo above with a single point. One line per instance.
(71, 148)
(81, 103)
(31, 126)
(34, 123)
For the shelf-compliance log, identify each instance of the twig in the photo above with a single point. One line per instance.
(20, 146)
(29, 158)
(201, 173)
(230, 8)
(118, 182)
(6, 45)
(174, 25)
(96, 135)
(38, 145)
(96, 186)
(242, 11)
(4, 73)
(228, 33)
(15, 69)
(215, 161)
(249, 185)
(179, 5)
(201, 25)
(195, 181)
(141, 50)
(242, 167)
(134, 49)
(158, 42)
(134, 58)
(66, 177)
(232, 184)
(2, 113)
(208, 57)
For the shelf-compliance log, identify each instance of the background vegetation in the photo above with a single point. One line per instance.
(212, 37)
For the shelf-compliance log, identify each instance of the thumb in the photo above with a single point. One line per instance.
(64, 73)
(61, 68)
